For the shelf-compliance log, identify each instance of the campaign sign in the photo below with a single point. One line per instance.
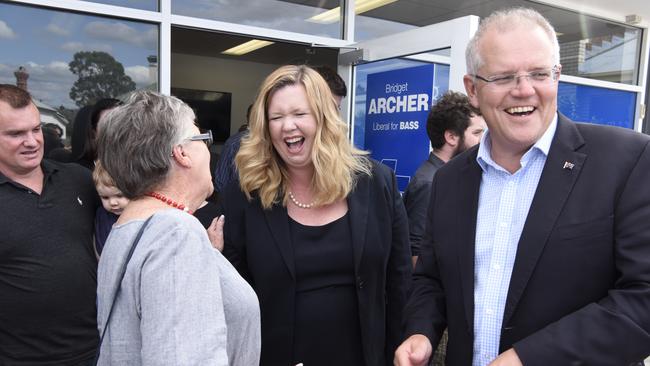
(397, 105)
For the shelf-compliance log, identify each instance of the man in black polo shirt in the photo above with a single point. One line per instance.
(48, 269)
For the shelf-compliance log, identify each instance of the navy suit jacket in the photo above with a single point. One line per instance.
(258, 243)
(580, 287)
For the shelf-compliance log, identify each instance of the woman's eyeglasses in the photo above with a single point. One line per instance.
(205, 137)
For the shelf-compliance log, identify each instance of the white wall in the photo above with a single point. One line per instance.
(241, 78)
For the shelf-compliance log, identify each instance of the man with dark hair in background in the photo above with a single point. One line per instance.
(48, 268)
(453, 126)
(51, 138)
(334, 81)
(226, 171)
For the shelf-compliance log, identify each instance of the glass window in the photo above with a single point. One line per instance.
(606, 52)
(392, 100)
(589, 47)
(58, 55)
(592, 104)
(440, 86)
(392, 17)
(323, 19)
(70, 60)
(361, 89)
(137, 4)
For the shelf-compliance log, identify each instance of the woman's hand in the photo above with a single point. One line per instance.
(215, 232)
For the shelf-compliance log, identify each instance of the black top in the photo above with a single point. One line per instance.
(225, 171)
(258, 242)
(48, 269)
(327, 314)
(207, 213)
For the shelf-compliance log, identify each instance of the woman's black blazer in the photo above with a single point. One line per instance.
(258, 243)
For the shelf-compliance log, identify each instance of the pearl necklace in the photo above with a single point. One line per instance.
(298, 203)
(169, 201)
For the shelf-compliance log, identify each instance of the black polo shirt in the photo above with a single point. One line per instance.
(48, 269)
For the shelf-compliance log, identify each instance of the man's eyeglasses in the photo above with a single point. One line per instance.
(205, 137)
(509, 81)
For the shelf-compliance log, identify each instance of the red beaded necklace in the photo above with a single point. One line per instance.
(169, 201)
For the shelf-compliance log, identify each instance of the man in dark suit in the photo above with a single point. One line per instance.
(537, 250)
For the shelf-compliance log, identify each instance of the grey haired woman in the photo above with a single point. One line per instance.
(180, 302)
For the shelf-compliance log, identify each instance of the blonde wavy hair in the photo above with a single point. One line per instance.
(337, 164)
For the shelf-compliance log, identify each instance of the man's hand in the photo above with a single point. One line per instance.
(415, 351)
(507, 358)
(215, 232)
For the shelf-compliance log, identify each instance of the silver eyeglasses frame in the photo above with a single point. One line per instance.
(511, 80)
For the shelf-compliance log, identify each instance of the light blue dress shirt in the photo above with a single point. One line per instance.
(504, 201)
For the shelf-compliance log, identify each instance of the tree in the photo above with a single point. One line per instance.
(99, 76)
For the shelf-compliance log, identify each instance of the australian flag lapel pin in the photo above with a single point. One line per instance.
(568, 165)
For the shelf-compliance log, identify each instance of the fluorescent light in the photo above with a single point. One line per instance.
(327, 17)
(363, 6)
(360, 6)
(247, 47)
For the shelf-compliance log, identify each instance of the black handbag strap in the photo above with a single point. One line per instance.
(119, 285)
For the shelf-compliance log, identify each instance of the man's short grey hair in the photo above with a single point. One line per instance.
(504, 20)
(135, 140)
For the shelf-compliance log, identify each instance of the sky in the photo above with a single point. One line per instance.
(44, 42)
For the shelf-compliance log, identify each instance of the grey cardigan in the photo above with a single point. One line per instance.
(181, 303)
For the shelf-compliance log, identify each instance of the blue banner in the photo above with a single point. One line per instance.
(397, 105)
(583, 103)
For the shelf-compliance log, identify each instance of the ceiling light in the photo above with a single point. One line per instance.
(247, 47)
(360, 6)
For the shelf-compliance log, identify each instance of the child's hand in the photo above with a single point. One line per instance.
(215, 232)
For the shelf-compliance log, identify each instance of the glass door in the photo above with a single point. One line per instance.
(394, 80)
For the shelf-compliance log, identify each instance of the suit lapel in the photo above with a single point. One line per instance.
(358, 202)
(469, 182)
(278, 223)
(555, 184)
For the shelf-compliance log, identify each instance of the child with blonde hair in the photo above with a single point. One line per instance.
(113, 203)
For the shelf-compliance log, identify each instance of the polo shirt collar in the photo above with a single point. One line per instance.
(48, 169)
